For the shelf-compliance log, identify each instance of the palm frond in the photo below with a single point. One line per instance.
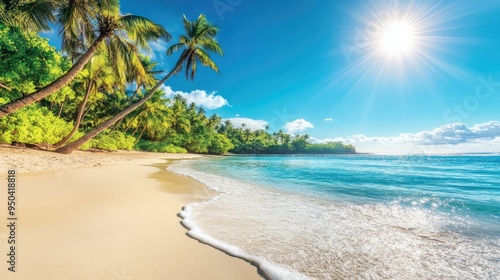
(108, 8)
(205, 59)
(75, 19)
(174, 48)
(187, 24)
(142, 30)
(211, 45)
(34, 15)
(118, 57)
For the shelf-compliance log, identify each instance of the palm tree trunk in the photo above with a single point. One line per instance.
(79, 117)
(88, 110)
(130, 102)
(105, 125)
(61, 108)
(54, 86)
(129, 124)
(133, 95)
(140, 135)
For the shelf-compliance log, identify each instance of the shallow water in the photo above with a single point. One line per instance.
(355, 217)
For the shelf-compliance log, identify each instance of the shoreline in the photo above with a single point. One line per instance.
(96, 216)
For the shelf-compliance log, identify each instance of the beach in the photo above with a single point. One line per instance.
(105, 216)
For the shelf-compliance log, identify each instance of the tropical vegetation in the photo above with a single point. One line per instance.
(102, 92)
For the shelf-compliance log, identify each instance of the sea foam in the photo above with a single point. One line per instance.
(292, 236)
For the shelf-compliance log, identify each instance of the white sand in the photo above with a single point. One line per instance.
(116, 220)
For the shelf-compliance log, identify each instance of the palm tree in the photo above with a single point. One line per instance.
(143, 77)
(154, 117)
(106, 70)
(34, 15)
(214, 121)
(199, 39)
(76, 18)
(100, 76)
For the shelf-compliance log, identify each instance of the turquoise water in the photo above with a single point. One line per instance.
(356, 217)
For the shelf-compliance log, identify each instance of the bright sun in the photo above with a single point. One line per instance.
(397, 38)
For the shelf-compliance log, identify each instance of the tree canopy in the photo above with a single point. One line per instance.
(114, 100)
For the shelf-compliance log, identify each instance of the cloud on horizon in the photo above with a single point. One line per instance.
(328, 119)
(201, 98)
(455, 137)
(249, 123)
(298, 125)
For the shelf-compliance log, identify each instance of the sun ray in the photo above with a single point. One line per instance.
(396, 41)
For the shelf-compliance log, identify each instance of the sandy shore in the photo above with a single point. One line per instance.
(105, 216)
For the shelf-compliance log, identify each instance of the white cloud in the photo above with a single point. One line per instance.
(199, 97)
(157, 52)
(158, 46)
(298, 125)
(249, 123)
(328, 119)
(450, 138)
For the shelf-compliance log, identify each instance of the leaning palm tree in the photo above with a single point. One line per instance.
(198, 41)
(100, 75)
(77, 18)
(143, 77)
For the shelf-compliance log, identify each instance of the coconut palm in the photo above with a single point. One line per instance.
(100, 75)
(214, 122)
(77, 19)
(143, 77)
(180, 114)
(28, 15)
(196, 44)
(154, 117)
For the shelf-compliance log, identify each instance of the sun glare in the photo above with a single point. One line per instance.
(396, 43)
(397, 38)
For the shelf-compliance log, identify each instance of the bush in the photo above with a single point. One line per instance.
(34, 125)
(116, 140)
(220, 145)
(159, 147)
(28, 61)
(38, 125)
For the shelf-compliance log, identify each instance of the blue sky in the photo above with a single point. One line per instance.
(317, 67)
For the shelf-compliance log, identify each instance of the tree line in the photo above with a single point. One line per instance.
(101, 92)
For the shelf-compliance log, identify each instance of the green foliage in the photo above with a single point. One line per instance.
(220, 145)
(27, 14)
(160, 125)
(330, 147)
(198, 41)
(28, 62)
(33, 125)
(114, 141)
(160, 147)
(4, 100)
(38, 125)
(246, 141)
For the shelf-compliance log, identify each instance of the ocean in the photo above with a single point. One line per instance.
(352, 216)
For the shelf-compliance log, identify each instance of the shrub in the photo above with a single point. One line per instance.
(116, 140)
(33, 124)
(160, 147)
